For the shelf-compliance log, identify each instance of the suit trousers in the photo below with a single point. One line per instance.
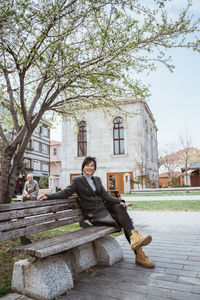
(119, 213)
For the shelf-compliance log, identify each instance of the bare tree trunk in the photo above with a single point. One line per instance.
(5, 174)
(9, 176)
(11, 165)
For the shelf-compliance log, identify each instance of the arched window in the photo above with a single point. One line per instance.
(82, 139)
(118, 136)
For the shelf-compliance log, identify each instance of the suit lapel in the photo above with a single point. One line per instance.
(86, 184)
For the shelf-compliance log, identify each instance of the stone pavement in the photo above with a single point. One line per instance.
(175, 249)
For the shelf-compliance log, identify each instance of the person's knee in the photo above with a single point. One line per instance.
(118, 208)
(24, 199)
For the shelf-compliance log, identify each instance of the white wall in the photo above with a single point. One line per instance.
(100, 143)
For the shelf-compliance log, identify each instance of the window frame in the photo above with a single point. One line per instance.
(45, 163)
(82, 139)
(117, 127)
(54, 151)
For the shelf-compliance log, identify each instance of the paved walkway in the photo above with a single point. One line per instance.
(175, 249)
(160, 198)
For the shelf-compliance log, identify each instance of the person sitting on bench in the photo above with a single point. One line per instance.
(31, 189)
(102, 209)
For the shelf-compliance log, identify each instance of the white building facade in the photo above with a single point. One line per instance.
(125, 148)
(55, 165)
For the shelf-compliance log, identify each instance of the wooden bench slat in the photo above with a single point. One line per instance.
(26, 212)
(31, 204)
(80, 240)
(37, 228)
(51, 241)
(14, 224)
(65, 242)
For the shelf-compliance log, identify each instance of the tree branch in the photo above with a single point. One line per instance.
(23, 107)
(3, 137)
(39, 42)
(36, 98)
(11, 100)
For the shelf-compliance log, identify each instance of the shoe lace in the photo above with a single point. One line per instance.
(143, 254)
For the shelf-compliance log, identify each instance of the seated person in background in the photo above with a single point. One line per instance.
(31, 189)
(102, 209)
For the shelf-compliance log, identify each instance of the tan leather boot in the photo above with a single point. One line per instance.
(137, 241)
(143, 260)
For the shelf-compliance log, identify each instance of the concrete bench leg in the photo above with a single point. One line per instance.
(47, 278)
(43, 279)
(108, 251)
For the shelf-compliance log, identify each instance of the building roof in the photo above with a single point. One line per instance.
(193, 166)
(174, 174)
(179, 154)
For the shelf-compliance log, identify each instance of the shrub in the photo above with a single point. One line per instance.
(44, 182)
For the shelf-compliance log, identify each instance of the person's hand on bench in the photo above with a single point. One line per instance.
(42, 197)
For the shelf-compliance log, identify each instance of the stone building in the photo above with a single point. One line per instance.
(55, 164)
(125, 148)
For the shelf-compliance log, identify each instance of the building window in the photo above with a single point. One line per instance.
(82, 139)
(36, 165)
(45, 167)
(45, 131)
(37, 130)
(54, 151)
(36, 146)
(45, 149)
(118, 136)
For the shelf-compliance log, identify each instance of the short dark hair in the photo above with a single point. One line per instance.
(87, 160)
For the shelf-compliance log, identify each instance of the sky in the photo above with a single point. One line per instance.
(175, 97)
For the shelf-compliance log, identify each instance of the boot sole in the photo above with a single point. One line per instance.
(145, 242)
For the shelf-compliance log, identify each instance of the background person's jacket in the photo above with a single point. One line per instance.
(31, 188)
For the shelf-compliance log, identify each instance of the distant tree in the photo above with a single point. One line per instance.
(169, 161)
(188, 155)
(143, 169)
(178, 156)
(63, 56)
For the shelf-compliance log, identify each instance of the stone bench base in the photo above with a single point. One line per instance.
(52, 276)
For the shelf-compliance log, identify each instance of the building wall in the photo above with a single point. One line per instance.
(140, 134)
(37, 154)
(55, 158)
(195, 178)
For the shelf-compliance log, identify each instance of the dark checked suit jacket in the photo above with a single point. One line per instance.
(92, 202)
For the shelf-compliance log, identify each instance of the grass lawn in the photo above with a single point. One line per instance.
(161, 194)
(7, 260)
(166, 205)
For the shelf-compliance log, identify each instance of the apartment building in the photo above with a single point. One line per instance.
(37, 154)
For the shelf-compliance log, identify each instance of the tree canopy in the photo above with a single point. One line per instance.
(63, 56)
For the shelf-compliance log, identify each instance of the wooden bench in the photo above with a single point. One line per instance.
(53, 263)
